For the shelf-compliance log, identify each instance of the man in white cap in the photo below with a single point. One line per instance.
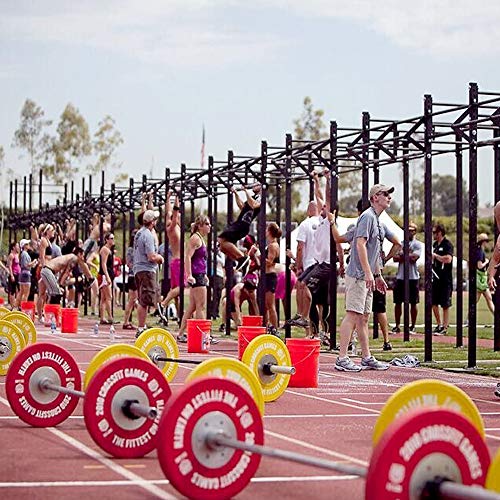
(363, 276)
(146, 261)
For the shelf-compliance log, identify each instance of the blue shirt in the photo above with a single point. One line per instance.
(144, 244)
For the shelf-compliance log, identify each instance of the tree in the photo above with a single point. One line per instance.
(106, 140)
(310, 125)
(29, 136)
(65, 151)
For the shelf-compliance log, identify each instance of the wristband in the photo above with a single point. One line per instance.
(176, 208)
(378, 275)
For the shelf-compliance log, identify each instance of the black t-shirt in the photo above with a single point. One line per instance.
(443, 271)
(248, 214)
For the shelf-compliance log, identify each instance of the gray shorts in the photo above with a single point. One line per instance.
(50, 281)
(358, 298)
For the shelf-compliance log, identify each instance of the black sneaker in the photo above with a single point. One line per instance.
(222, 328)
(387, 346)
(412, 329)
(396, 330)
(271, 330)
(439, 330)
(497, 391)
(139, 332)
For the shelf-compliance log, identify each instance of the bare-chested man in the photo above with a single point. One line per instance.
(91, 244)
(56, 272)
(495, 259)
(172, 217)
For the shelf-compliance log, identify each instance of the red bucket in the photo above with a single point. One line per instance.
(304, 354)
(69, 320)
(2, 301)
(246, 334)
(50, 310)
(198, 334)
(28, 308)
(251, 321)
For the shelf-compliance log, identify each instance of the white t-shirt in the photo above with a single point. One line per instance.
(305, 234)
(322, 241)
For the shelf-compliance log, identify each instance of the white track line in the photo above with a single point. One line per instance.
(133, 479)
(318, 448)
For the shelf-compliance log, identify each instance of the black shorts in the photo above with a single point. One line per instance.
(378, 304)
(131, 283)
(318, 278)
(399, 292)
(235, 232)
(199, 280)
(271, 282)
(13, 287)
(441, 294)
(305, 273)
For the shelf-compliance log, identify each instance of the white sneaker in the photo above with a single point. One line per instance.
(346, 365)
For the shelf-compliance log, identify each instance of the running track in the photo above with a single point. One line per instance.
(333, 421)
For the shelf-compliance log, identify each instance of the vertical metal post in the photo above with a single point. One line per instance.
(182, 241)
(278, 222)
(334, 194)
(496, 176)
(211, 259)
(11, 212)
(166, 263)
(406, 242)
(428, 226)
(30, 198)
(261, 295)
(229, 263)
(459, 243)
(376, 180)
(15, 207)
(473, 115)
(288, 231)
(365, 156)
(40, 189)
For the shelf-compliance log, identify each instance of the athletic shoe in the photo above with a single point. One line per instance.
(412, 329)
(222, 328)
(271, 330)
(182, 338)
(497, 391)
(439, 330)
(396, 330)
(325, 339)
(387, 346)
(139, 331)
(372, 364)
(161, 312)
(289, 321)
(302, 322)
(346, 365)
(214, 340)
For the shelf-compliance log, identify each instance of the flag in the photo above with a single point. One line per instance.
(203, 147)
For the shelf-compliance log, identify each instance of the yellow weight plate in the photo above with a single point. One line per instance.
(4, 311)
(160, 342)
(423, 393)
(493, 478)
(109, 353)
(23, 321)
(11, 342)
(234, 370)
(264, 350)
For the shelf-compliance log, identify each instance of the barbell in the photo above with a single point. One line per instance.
(122, 404)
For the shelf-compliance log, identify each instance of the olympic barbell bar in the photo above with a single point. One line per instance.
(211, 442)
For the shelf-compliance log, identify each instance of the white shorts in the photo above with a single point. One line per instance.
(358, 298)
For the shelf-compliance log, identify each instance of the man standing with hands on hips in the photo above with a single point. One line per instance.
(146, 261)
(363, 276)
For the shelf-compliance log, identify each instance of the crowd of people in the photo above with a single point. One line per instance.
(52, 264)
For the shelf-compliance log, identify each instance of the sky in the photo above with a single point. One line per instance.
(164, 68)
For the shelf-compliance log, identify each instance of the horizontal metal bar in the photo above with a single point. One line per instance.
(285, 370)
(218, 439)
(46, 385)
(157, 358)
(143, 411)
(455, 491)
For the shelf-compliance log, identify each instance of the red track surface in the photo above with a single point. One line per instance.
(333, 421)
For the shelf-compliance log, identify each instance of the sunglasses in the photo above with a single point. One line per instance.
(207, 224)
(384, 193)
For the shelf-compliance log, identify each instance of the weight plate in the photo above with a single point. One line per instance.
(160, 342)
(268, 349)
(112, 385)
(234, 370)
(111, 353)
(29, 401)
(4, 311)
(493, 478)
(423, 393)
(422, 445)
(23, 321)
(11, 342)
(194, 468)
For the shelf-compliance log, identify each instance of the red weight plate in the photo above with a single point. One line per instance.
(116, 382)
(422, 445)
(33, 405)
(194, 469)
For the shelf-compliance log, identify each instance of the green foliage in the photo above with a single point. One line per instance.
(29, 136)
(106, 140)
(68, 148)
(310, 126)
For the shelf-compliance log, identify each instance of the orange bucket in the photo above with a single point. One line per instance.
(198, 334)
(251, 321)
(69, 320)
(50, 310)
(28, 308)
(245, 335)
(304, 354)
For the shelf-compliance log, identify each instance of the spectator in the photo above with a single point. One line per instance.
(14, 272)
(481, 276)
(26, 265)
(495, 258)
(132, 288)
(106, 277)
(273, 234)
(442, 278)
(218, 283)
(241, 292)
(415, 250)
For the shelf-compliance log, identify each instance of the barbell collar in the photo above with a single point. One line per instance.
(216, 439)
(134, 410)
(47, 385)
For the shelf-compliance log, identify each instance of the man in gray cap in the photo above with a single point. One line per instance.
(146, 261)
(363, 276)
